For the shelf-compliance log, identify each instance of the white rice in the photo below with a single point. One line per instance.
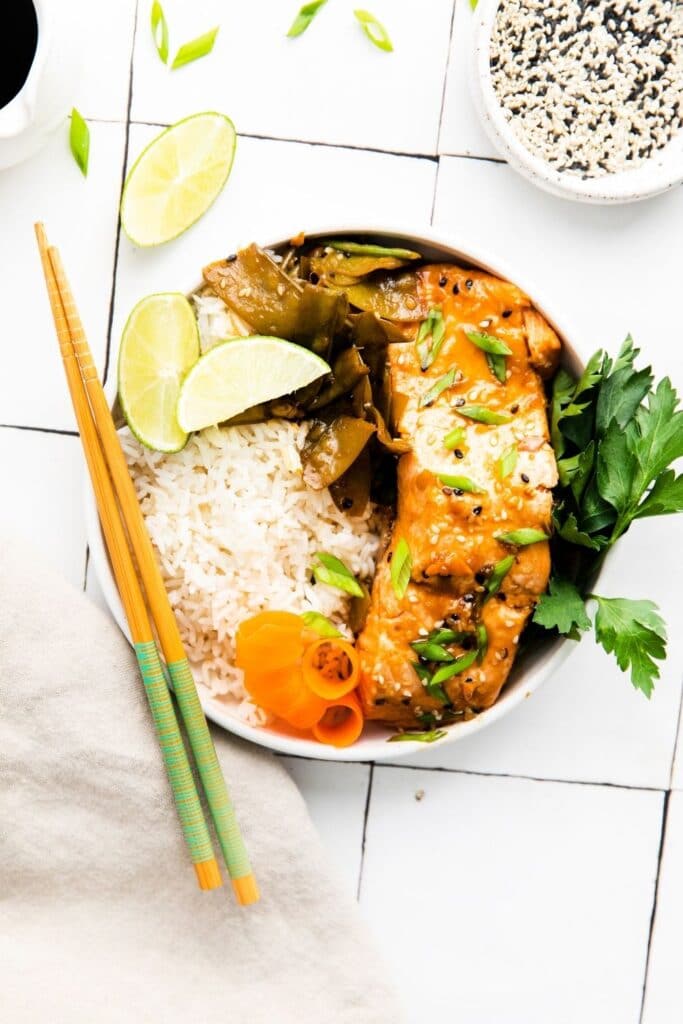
(216, 322)
(236, 530)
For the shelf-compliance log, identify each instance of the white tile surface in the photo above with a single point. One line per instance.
(328, 85)
(335, 795)
(107, 54)
(602, 270)
(265, 199)
(500, 900)
(664, 995)
(461, 131)
(80, 216)
(588, 722)
(43, 475)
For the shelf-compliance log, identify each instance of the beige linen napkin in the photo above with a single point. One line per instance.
(100, 917)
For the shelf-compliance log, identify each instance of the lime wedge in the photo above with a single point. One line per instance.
(176, 179)
(160, 343)
(240, 373)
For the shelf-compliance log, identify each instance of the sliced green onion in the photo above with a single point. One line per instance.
(482, 642)
(454, 438)
(489, 343)
(418, 737)
(459, 665)
(422, 671)
(195, 49)
(520, 538)
(401, 567)
(446, 636)
(159, 31)
(498, 574)
(496, 351)
(436, 691)
(497, 366)
(374, 30)
(320, 624)
(483, 415)
(79, 140)
(461, 483)
(334, 573)
(442, 384)
(429, 651)
(507, 462)
(433, 327)
(363, 249)
(304, 18)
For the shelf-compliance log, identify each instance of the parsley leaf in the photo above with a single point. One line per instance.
(635, 632)
(665, 497)
(562, 609)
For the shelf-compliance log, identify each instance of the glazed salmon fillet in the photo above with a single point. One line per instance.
(451, 531)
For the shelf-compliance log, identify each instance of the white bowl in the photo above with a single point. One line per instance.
(531, 670)
(659, 172)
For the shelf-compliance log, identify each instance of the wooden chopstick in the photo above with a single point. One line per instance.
(218, 798)
(170, 739)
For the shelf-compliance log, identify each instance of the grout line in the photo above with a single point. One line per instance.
(474, 156)
(85, 570)
(39, 430)
(124, 168)
(445, 78)
(677, 738)
(488, 775)
(432, 157)
(653, 915)
(366, 815)
(436, 189)
(525, 778)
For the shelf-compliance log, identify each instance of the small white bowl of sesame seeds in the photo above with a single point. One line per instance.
(584, 99)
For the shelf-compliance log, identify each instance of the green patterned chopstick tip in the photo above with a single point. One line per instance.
(173, 751)
(206, 759)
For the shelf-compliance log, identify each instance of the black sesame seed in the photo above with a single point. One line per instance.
(460, 401)
(405, 701)
(347, 503)
(469, 679)
(525, 478)
(379, 701)
(468, 283)
(480, 577)
(506, 313)
(500, 596)
(390, 556)
(514, 408)
(313, 277)
(447, 490)
(458, 454)
(468, 598)
(456, 289)
(231, 258)
(476, 511)
(443, 281)
(458, 492)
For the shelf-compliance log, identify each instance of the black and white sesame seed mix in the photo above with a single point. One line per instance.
(593, 87)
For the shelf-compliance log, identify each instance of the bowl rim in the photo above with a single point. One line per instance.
(373, 747)
(660, 172)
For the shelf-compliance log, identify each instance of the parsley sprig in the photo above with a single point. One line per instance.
(615, 436)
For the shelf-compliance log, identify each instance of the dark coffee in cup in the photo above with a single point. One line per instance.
(20, 35)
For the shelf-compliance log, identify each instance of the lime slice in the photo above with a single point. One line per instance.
(240, 373)
(160, 343)
(176, 179)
